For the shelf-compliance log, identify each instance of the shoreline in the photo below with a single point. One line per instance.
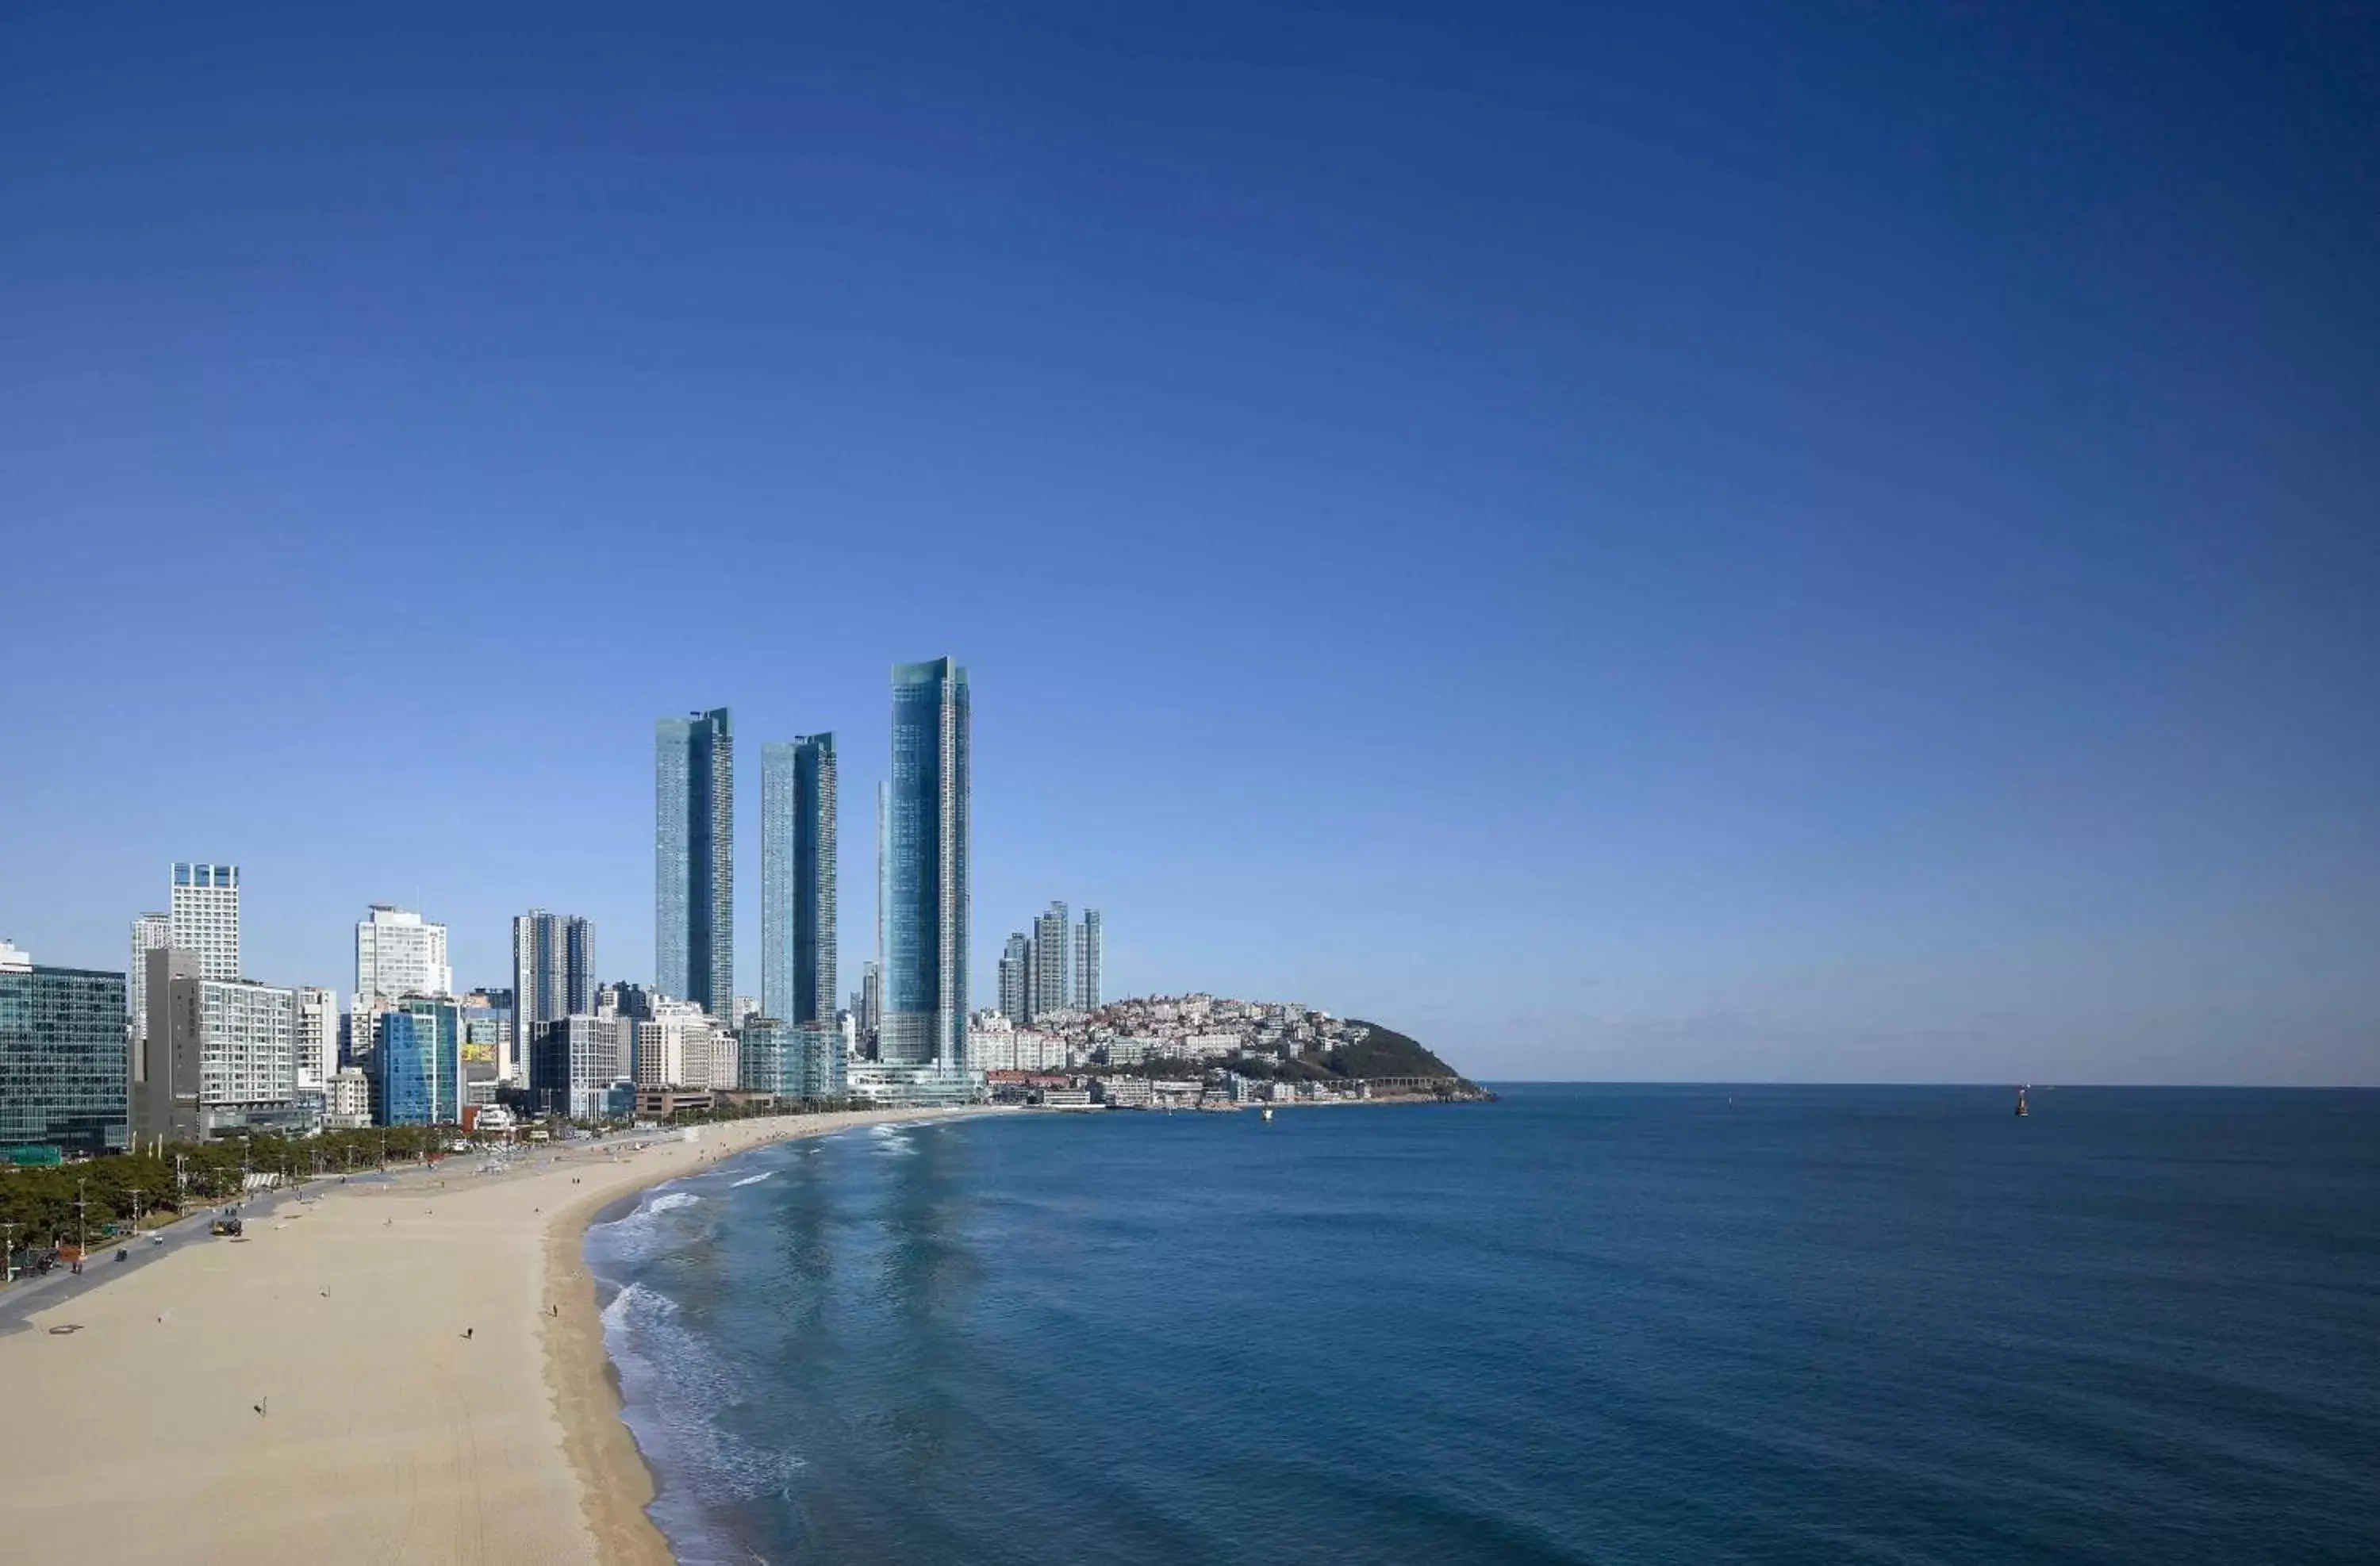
(375, 1366)
(617, 1483)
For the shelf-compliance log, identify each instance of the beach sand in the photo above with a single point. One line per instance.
(386, 1434)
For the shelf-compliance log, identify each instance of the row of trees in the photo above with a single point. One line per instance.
(42, 1203)
(101, 1195)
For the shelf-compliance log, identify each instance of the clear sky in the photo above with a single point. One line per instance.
(1762, 541)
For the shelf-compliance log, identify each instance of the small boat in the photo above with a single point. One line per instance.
(2021, 1111)
(1267, 1111)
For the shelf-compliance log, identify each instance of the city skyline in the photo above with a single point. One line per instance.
(1637, 543)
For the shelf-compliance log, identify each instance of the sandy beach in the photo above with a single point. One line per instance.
(380, 1375)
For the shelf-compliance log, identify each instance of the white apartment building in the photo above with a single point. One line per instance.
(575, 1059)
(250, 1051)
(399, 953)
(680, 1046)
(205, 918)
(317, 1038)
(996, 1044)
(726, 1060)
(149, 932)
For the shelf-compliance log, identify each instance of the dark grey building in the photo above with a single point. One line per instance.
(553, 976)
(799, 789)
(165, 1094)
(694, 859)
(62, 1057)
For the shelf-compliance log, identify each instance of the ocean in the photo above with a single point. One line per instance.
(1580, 1324)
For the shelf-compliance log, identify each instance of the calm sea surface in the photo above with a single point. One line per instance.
(1581, 1325)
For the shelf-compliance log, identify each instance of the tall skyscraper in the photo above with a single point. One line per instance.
(206, 917)
(1090, 946)
(149, 932)
(1052, 953)
(1015, 968)
(399, 953)
(798, 791)
(694, 859)
(871, 999)
(553, 976)
(926, 848)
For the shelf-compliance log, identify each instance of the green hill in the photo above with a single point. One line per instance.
(1384, 1051)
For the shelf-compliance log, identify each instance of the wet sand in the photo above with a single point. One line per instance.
(379, 1375)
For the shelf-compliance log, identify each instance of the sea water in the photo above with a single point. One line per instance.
(1581, 1323)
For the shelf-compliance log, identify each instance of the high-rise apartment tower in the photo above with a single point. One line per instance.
(797, 863)
(925, 837)
(205, 916)
(1052, 949)
(553, 976)
(1015, 969)
(694, 859)
(399, 953)
(1091, 946)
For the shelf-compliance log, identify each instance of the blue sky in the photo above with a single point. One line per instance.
(1796, 541)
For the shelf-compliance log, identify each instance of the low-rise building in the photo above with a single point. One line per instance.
(1125, 1092)
(347, 1099)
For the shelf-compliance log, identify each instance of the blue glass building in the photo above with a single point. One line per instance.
(694, 859)
(420, 1062)
(926, 851)
(792, 1060)
(798, 791)
(63, 1060)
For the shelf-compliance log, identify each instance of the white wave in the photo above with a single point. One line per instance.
(754, 1179)
(645, 1231)
(634, 1304)
(673, 1386)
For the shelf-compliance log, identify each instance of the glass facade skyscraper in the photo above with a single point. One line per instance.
(798, 791)
(926, 850)
(62, 1058)
(694, 859)
(792, 1060)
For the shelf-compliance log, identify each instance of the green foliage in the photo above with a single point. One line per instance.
(186, 1176)
(1385, 1052)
